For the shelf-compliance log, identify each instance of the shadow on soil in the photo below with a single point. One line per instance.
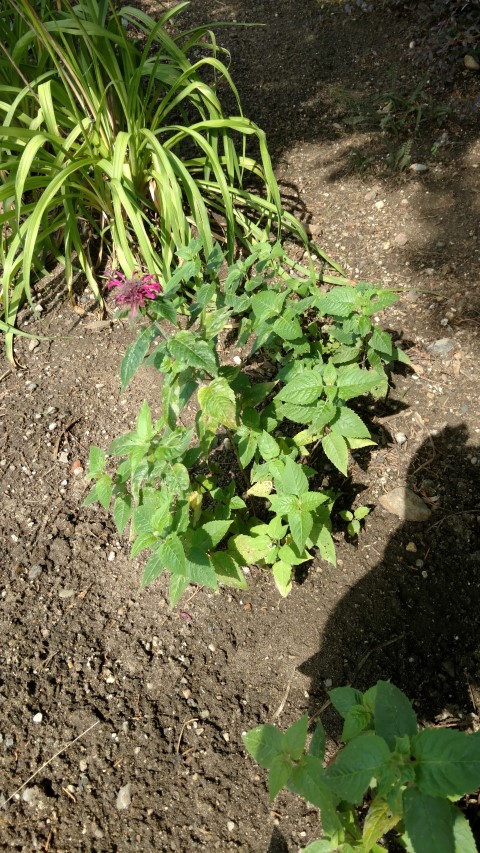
(414, 618)
(294, 74)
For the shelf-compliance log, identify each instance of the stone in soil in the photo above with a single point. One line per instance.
(406, 504)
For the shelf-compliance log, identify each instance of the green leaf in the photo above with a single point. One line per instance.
(378, 821)
(278, 775)
(267, 446)
(339, 302)
(173, 555)
(96, 462)
(307, 781)
(357, 720)
(135, 354)
(326, 545)
(177, 587)
(228, 570)
(348, 423)
(282, 574)
(210, 534)
(429, 822)
(293, 740)
(144, 423)
(310, 501)
(352, 381)
(104, 490)
(154, 568)
(293, 480)
(191, 350)
(301, 524)
(251, 548)
(266, 304)
(393, 714)
(289, 330)
(318, 742)
(200, 570)
(336, 450)
(355, 765)
(91, 497)
(447, 762)
(295, 413)
(282, 504)
(303, 389)
(344, 698)
(462, 833)
(143, 541)
(122, 511)
(263, 743)
(217, 401)
(382, 342)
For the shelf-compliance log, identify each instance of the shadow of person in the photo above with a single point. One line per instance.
(415, 618)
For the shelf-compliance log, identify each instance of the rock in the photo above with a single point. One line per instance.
(37, 718)
(230, 825)
(441, 347)
(63, 457)
(401, 239)
(406, 504)
(66, 593)
(34, 572)
(411, 548)
(418, 167)
(400, 438)
(237, 359)
(31, 386)
(470, 62)
(33, 344)
(124, 798)
(379, 204)
(371, 195)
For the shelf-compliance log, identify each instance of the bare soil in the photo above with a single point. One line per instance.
(101, 686)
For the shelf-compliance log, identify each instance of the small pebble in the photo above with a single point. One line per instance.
(124, 798)
(473, 460)
(66, 593)
(37, 718)
(237, 359)
(379, 204)
(230, 825)
(401, 239)
(226, 736)
(63, 458)
(52, 426)
(111, 556)
(34, 572)
(33, 344)
(82, 765)
(328, 682)
(400, 437)
(212, 647)
(204, 714)
(411, 547)
(418, 167)
(31, 386)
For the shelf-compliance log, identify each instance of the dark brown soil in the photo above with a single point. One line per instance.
(158, 700)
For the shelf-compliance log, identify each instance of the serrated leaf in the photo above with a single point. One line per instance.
(310, 501)
(144, 422)
(210, 534)
(318, 742)
(393, 714)
(357, 719)
(378, 821)
(172, 554)
(293, 740)
(267, 446)
(91, 497)
(278, 775)
(261, 490)
(288, 330)
(429, 822)
(336, 450)
(135, 354)
(344, 698)
(200, 570)
(382, 342)
(295, 413)
(301, 524)
(104, 490)
(307, 781)
(305, 388)
(96, 462)
(191, 350)
(228, 570)
(355, 765)
(250, 548)
(122, 511)
(266, 304)
(352, 381)
(122, 444)
(462, 833)
(339, 302)
(154, 568)
(263, 743)
(349, 424)
(293, 480)
(247, 446)
(282, 574)
(282, 504)
(143, 541)
(177, 587)
(217, 401)
(447, 762)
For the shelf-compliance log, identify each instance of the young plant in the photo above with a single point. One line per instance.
(405, 781)
(354, 518)
(205, 512)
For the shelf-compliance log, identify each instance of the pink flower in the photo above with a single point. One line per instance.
(132, 292)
